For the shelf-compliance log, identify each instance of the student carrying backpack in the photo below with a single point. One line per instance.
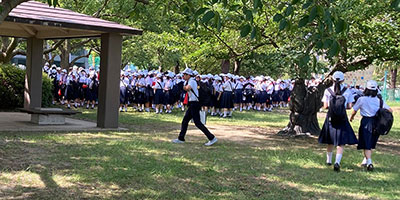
(377, 120)
(337, 130)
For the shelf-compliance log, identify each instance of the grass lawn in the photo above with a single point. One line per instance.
(142, 163)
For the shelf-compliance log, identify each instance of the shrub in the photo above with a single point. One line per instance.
(12, 80)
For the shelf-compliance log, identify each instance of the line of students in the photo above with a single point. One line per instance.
(340, 134)
(146, 90)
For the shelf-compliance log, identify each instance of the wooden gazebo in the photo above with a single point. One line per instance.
(37, 22)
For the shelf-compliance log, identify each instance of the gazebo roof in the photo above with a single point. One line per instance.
(35, 19)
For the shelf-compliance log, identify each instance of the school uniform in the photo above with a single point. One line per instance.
(270, 90)
(275, 94)
(193, 112)
(81, 90)
(281, 92)
(141, 84)
(368, 107)
(259, 94)
(248, 92)
(341, 134)
(123, 83)
(69, 90)
(238, 92)
(218, 90)
(159, 92)
(226, 97)
(168, 95)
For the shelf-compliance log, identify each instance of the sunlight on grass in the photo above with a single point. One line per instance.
(22, 179)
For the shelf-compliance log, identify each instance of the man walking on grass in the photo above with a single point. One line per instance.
(193, 111)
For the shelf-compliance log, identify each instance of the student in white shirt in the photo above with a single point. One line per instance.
(368, 105)
(337, 133)
(159, 93)
(193, 111)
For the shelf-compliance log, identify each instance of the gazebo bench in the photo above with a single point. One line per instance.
(48, 116)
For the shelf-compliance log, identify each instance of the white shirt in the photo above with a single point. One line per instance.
(227, 86)
(239, 85)
(158, 85)
(193, 85)
(347, 95)
(368, 106)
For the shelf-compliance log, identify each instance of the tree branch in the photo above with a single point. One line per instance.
(79, 57)
(221, 40)
(54, 47)
(97, 14)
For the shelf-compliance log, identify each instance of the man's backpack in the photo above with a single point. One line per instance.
(383, 120)
(205, 91)
(337, 107)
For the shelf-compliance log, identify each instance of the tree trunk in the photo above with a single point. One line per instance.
(6, 6)
(236, 70)
(64, 56)
(176, 68)
(393, 78)
(225, 66)
(304, 106)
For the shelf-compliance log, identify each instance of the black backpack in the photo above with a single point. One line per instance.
(337, 107)
(383, 120)
(205, 91)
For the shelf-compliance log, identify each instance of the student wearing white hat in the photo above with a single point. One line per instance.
(226, 98)
(337, 130)
(368, 105)
(158, 87)
(193, 111)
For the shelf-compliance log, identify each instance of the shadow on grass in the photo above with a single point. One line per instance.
(142, 166)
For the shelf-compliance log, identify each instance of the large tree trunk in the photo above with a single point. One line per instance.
(65, 52)
(393, 78)
(176, 68)
(237, 66)
(225, 66)
(304, 106)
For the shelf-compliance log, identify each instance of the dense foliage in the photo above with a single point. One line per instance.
(12, 81)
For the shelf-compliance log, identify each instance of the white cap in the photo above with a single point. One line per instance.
(372, 85)
(195, 73)
(188, 71)
(338, 75)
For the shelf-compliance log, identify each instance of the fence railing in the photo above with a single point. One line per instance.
(391, 94)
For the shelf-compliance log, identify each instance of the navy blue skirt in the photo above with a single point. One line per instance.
(275, 96)
(367, 140)
(248, 93)
(216, 102)
(169, 98)
(69, 93)
(226, 100)
(122, 95)
(238, 96)
(281, 94)
(159, 96)
(339, 135)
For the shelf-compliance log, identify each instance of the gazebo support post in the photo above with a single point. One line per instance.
(110, 66)
(33, 77)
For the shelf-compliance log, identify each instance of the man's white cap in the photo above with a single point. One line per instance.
(372, 85)
(188, 71)
(338, 75)
(195, 73)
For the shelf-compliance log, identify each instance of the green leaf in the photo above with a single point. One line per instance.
(313, 14)
(225, 2)
(281, 6)
(278, 17)
(307, 4)
(395, 5)
(249, 15)
(201, 11)
(234, 7)
(303, 21)
(245, 30)
(253, 33)
(214, 2)
(294, 2)
(219, 23)
(304, 60)
(319, 44)
(50, 2)
(208, 16)
(289, 10)
(334, 49)
(320, 10)
(340, 25)
(327, 43)
(257, 4)
(283, 24)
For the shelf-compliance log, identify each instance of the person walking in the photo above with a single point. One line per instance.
(193, 111)
(337, 130)
(368, 105)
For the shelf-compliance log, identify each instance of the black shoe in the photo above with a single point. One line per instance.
(329, 164)
(370, 167)
(363, 165)
(336, 167)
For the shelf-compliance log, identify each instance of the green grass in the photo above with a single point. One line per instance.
(143, 164)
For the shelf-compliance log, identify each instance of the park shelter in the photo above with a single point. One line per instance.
(37, 22)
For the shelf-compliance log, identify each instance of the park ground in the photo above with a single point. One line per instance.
(249, 162)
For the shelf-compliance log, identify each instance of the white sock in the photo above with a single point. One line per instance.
(75, 104)
(92, 105)
(369, 161)
(329, 157)
(156, 110)
(230, 113)
(338, 158)
(364, 162)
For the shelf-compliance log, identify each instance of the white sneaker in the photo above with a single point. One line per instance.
(177, 141)
(211, 142)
